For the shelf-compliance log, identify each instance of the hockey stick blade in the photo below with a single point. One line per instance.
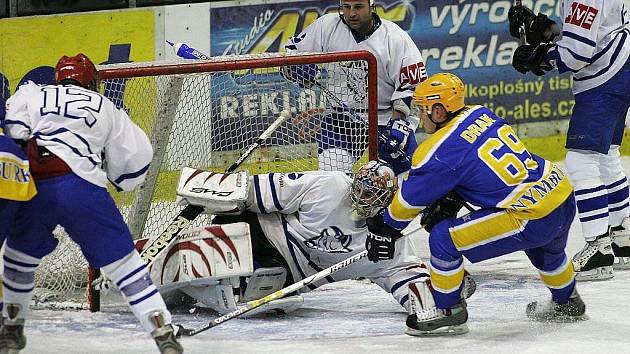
(188, 332)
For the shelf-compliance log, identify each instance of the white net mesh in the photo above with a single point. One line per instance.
(205, 114)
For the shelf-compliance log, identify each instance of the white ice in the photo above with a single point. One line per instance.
(355, 317)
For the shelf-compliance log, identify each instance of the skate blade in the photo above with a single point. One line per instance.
(443, 331)
(601, 273)
(621, 263)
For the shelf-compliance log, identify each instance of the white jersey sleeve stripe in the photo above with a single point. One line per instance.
(274, 192)
(259, 200)
(612, 59)
(16, 122)
(131, 175)
(577, 37)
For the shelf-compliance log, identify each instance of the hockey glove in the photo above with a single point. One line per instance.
(381, 239)
(538, 28)
(399, 130)
(304, 75)
(527, 58)
(444, 208)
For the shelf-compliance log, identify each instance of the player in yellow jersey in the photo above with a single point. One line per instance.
(524, 203)
(16, 185)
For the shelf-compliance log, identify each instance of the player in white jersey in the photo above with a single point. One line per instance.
(594, 45)
(400, 69)
(76, 140)
(306, 222)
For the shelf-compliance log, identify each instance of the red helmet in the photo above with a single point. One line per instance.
(78, 68)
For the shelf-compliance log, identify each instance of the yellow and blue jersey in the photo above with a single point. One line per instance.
(16, 182)
(478, 155)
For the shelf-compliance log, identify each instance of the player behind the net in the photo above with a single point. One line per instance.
(592, 45)
(525, 203)
(76, 140)
(399, 68)
(300, 223)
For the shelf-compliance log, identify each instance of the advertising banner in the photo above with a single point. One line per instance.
(469, 38)
(31, 46)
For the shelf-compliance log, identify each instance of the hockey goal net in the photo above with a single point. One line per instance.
(204, 114)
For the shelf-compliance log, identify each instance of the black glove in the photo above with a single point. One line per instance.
(527, 58)
(444, 208)
(381, 239)
(519, 16)
(538, 28)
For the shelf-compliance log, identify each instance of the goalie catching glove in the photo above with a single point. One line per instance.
(218, 193)
(381, 239)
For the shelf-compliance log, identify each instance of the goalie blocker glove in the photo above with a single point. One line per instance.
(304, 75)
(381, 239)
(527, 58)
(443, 208)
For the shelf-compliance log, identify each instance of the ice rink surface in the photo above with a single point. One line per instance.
(357, 317)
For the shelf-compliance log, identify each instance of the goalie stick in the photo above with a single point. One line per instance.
(159, 244)
(414, 226)
(190, 212)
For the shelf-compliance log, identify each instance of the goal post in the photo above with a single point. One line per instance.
(204, 113)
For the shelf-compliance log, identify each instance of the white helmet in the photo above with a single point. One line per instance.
(373, 188)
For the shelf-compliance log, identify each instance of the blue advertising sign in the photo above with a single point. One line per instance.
(467, 37)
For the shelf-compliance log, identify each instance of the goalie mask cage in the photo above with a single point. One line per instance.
(204, 114)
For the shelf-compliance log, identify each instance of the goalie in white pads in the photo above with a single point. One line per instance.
(400, 69)
(305, 222)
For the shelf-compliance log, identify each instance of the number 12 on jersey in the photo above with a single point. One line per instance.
(71, 102)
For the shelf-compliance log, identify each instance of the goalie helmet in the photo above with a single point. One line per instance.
(373, 188)
(443, 88)
(78, 68)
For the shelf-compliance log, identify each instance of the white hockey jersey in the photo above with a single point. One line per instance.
(400, 65)
(308, 218)
(594, 43)
(97, 140)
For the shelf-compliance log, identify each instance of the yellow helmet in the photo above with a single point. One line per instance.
(444, 88)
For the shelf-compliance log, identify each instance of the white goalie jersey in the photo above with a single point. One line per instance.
(308, 218)
(399, 62)
(86, 130)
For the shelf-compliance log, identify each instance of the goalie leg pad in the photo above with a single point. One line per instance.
(426, 319)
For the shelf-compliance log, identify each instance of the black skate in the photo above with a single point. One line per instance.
(621, 245)
(12, 334)
(595, 260)
(572, 311)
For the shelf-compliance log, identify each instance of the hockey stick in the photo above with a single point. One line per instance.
(414, 226)
(159, 244)
(190, 212)
(187, 332)
(521, 30)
